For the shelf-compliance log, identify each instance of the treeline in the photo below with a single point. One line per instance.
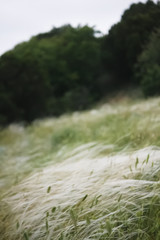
(69, 69)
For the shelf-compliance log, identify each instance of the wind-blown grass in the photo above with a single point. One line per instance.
(89, 175)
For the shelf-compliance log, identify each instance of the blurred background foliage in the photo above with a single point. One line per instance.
(69, 69)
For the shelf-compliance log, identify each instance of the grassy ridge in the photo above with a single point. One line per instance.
(82, 176)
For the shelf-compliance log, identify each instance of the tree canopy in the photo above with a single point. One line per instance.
(126, 39)
(68, 69)
(52, 73)
(148, 66)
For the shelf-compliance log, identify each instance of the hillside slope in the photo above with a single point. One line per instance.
(88, 175)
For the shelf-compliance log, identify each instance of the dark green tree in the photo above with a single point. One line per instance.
(52, 73)
(126, 39)
(73, 59)
(24, 87)
(147, 70)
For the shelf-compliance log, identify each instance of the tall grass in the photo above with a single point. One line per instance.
(89, 175)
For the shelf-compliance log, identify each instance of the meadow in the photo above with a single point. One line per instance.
(87, 175)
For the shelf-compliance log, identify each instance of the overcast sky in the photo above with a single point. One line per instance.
(21, 19)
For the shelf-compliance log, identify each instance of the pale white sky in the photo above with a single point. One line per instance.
(22, 19)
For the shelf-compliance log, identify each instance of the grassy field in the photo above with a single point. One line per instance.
(88, 175)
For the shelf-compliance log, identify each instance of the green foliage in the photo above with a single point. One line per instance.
(53, 73)
(148, 66)
(25, 86)
(125, 40)
(68, 69)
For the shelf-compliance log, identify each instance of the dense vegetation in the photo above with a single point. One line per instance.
(126, 40)
(69, 68)
(90, 175)
(148, 66)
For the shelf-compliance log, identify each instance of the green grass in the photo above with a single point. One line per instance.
(88, 175)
